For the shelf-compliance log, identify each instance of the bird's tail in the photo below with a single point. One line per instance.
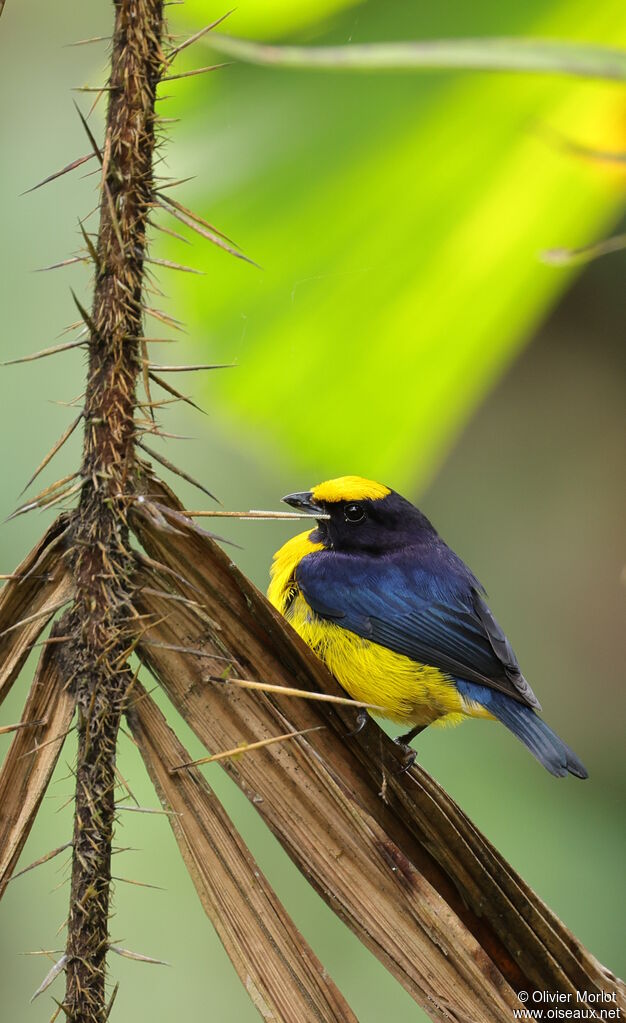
(542, 742)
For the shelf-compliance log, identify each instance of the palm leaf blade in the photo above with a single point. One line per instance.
(28, 766)
(272, 959)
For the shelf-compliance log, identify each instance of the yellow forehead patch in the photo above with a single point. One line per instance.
(349, 488)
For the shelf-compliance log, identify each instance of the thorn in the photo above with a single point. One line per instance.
(169, 321)
(176, 394)
(167, 230)
(111, 1002)
(71, 326)
(43, 952)
(127, 954)
(83, 42)
(51, 976)
(86, 317)
(246, 748)
(42, 859)
(90, 246)
(164, 183)
(198, 35)
(178, 472)
(174, 266)
(45, 352)
(140, 884)
(191, 369)
(54, 487)
(145, 362)
(198, 71)
(144, 809)
(126, 785)
(195, 217)
(32, 505)
(57, 174)
(94, 144)
(64, 262)
(100, 89)
(113, 215)
(49, 742)
(210, 235)
(38, 614)
(59, 444)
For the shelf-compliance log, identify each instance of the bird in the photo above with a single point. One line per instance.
(400, 620)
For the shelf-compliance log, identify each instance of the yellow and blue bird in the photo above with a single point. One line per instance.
(400, 620)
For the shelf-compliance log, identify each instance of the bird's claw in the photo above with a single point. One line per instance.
(362, 718)
(409, 755)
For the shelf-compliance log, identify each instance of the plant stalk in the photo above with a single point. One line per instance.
(101, 558)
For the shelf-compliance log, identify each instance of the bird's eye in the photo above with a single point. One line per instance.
(354, 513)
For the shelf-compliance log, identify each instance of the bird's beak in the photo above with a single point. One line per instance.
(304, 502)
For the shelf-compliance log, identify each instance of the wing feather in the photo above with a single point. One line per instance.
(434, 614)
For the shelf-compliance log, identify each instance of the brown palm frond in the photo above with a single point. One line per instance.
(31, 596)
(273, 960)
(355, 864)
(502, 930)
(28, 766)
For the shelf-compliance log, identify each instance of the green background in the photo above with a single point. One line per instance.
(402, 326)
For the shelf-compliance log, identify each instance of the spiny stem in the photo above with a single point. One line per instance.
(102, 560)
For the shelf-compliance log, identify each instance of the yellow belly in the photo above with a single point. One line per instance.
(410, 693)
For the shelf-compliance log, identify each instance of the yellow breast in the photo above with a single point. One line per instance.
(409, 692)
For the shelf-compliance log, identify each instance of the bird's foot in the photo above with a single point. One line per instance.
(407, 738)
(362, 718)
(409, 755)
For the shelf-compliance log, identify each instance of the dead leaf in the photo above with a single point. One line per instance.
(36, 588)
(271, 957)
(32, 756)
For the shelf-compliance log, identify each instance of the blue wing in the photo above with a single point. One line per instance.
(424, 604)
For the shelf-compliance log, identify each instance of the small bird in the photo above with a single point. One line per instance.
(400, 620)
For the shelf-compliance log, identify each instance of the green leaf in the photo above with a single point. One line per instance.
(400, 221)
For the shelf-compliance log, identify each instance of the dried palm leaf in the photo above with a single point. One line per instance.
(29, 600)
(31, 759)
(423, 840)
(281, 973)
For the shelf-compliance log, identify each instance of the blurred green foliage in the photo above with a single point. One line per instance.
(398, 219)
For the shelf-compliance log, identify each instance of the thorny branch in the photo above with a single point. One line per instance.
(102, 561)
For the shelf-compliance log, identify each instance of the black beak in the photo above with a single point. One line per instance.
(304, 502)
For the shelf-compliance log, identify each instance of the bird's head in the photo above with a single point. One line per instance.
(358, 514)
